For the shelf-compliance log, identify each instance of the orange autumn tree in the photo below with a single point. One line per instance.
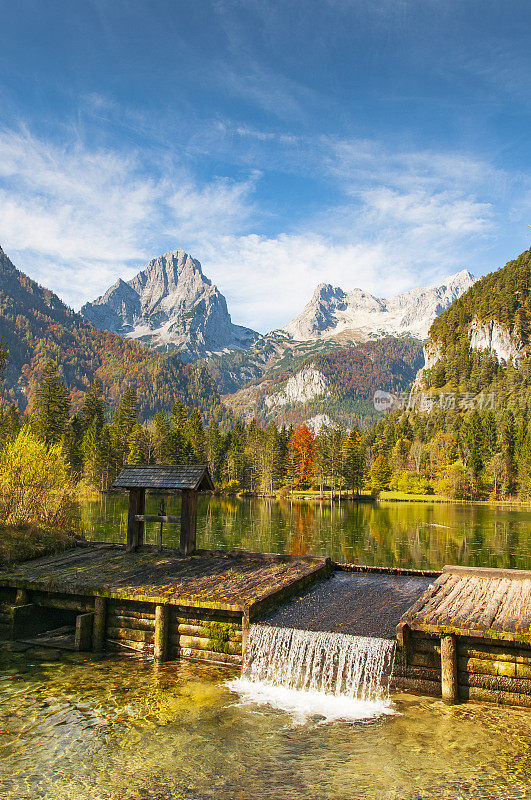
(302, 447)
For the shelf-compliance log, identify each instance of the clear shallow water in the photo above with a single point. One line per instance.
(421, 535)
(122, 729)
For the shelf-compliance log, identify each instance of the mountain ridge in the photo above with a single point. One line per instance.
(170, 304)
(37, 326)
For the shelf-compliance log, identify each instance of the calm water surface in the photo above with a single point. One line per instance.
(74, 727)
(122, 729)
(422, 535)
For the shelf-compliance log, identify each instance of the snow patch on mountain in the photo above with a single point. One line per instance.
(170, 305)
(332, 311)
(301, 387)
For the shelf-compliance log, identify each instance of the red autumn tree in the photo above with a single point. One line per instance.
(302, 446)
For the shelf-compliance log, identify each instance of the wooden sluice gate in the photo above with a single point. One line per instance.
(468, 637)
(463, 634)
(152, 602)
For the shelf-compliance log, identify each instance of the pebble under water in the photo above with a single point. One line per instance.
(117, 728)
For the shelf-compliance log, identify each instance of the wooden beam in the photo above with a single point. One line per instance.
(84, 625)
(449, 688)
(100, 620)
(161, 631)
(135, 528)
(188, 521)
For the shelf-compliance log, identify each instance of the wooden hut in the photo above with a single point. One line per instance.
(189, 479)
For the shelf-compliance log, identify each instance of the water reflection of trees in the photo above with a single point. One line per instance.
(389, 534)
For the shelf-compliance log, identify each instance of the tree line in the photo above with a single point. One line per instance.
(472, 455)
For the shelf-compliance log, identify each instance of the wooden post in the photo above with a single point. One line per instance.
(135, 529)
(245, 629)
(449, 669)
(188, 521)
(84, 624)
(161, 631)
(100, 619)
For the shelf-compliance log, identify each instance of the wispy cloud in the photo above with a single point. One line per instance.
(77, 218)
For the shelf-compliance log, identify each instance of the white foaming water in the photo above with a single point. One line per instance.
(307, 673)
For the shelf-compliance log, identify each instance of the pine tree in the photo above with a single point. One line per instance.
(195, 433)
(53, 405)
(354, 462)
(135, 442)
(93, 407)
(380, 474)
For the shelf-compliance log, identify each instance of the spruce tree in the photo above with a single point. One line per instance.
(354, 462)
(53, 405)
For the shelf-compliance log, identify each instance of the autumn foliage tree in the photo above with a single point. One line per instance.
(302, 446)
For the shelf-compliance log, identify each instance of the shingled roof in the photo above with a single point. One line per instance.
(474, 601)
(165, 476)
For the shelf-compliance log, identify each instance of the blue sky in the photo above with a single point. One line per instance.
(380, 144)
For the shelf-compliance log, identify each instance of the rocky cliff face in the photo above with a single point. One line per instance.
(170, 305)
(492, 336)
(301, 387)
(331, 311)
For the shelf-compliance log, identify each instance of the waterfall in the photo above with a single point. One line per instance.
(334, 675)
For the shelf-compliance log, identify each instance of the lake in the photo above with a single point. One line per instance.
(415, 535)
(116, 727)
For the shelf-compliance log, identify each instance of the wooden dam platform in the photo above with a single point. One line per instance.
(468, 637)
(151, 601)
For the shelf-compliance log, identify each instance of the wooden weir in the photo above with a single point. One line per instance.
(469, 637)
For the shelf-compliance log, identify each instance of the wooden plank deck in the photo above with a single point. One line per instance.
(231, 581)
(477, 602)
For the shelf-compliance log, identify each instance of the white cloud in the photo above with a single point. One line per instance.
(78, 218)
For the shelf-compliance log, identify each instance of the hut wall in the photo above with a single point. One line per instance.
(195, 633)
(487, 671)
(205, 634)
(130, 625)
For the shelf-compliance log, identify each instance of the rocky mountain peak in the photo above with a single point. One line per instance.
(332, 311)
(170, 305)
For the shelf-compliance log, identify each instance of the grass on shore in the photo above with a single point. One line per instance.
(24, 542)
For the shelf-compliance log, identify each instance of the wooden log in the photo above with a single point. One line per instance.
(130, 635)
(161, 632)
(495, 683)
(98, 634)
(201, 643)
(449, 689)
(136, 612)
(432, 688)
(48, 600)
(423, 673)
(523, 670)
(188, 522)
(83, 636)
(136, 623)
(156, 518)
(135, 529)
(202, 630)
(206, 655)
(123, 644)
(487, 667)
(474, 694)
(245, 629)
(486, 652)
(424, 658)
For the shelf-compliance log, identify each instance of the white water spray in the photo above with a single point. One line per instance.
(333, 675)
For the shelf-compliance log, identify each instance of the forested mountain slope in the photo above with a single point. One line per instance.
(338, 385)
(37, 326)
(481, 343)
